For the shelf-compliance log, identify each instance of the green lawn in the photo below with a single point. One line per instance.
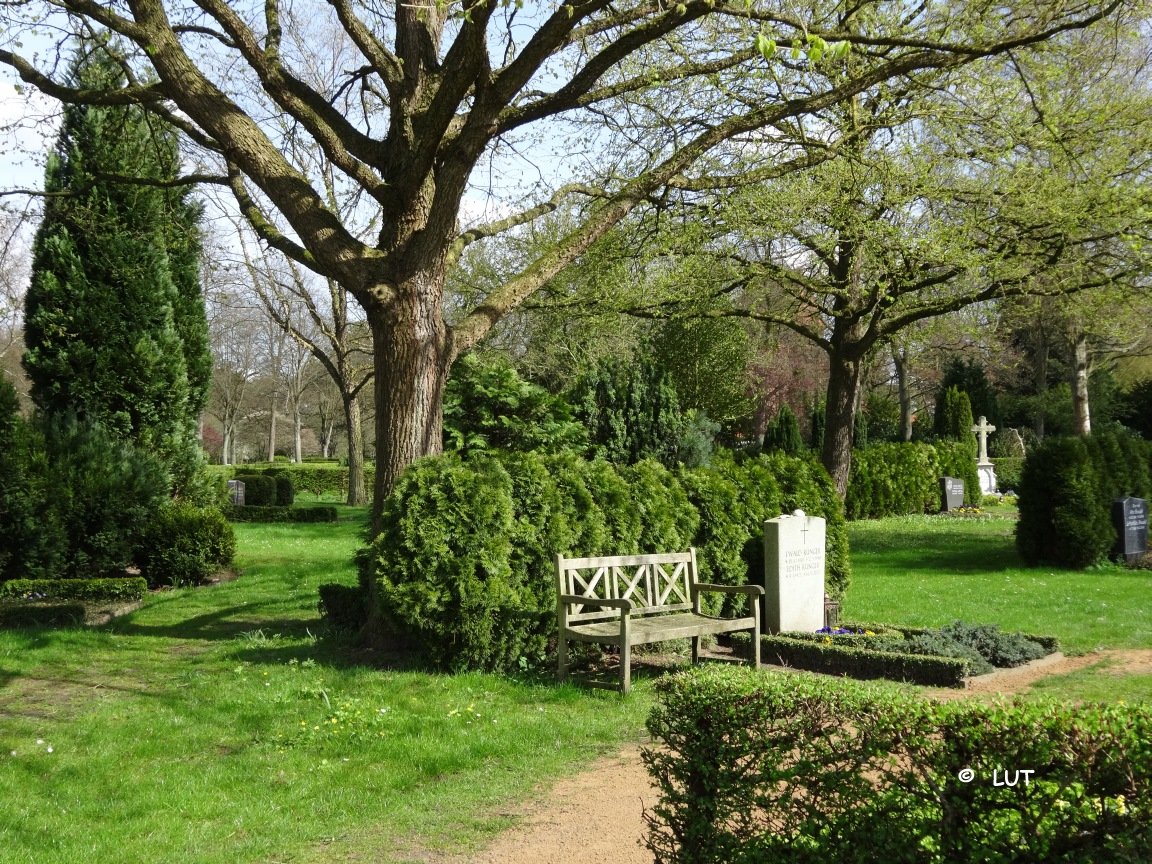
(214, 726)
(932, 570)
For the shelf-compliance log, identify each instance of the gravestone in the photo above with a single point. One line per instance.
(984, 467)
(951, 493)
(794, 573)
(1130, 516)
(236, 492)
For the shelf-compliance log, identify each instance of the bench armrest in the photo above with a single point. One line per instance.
(626, 605)
(754, 590)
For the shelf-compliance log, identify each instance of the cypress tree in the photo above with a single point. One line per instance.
(114, 318)
(783, 434)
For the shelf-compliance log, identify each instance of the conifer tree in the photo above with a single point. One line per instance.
(783, 434)
(114, 319)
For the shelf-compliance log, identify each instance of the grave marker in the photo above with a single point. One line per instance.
(1130, 516)
(794, 573)
(951, 493)
(236, 492)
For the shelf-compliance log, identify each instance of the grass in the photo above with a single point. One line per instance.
(216, 725)
(932, 570)
(213, 725)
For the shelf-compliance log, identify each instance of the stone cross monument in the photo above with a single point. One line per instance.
(984, 467)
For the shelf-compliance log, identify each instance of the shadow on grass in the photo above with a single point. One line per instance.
(226, 623)
(945, 553)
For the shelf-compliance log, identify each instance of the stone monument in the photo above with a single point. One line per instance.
(794, 573)
(984, 467)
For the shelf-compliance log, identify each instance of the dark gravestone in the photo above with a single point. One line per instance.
(1130, 516)
(951, 493)
(236, 492)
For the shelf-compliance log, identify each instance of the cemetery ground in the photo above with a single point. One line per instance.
(221, 724)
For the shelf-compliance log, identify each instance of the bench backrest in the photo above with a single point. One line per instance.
(654, 583)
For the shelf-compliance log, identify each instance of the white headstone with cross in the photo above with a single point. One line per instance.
(794, 573)
(984, 467)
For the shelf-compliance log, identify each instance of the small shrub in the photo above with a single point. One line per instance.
(343, 606)
(186, 545)
(285, 488)
(1002, 650)
(259, 489)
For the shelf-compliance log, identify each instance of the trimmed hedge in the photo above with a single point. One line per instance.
(893, 479)
(259, 489)
(463, 568)
(342, 606)
(856, 661)
(122, 589)
(1066, 492)
(280, 514)
(756, 767)
(323, 478)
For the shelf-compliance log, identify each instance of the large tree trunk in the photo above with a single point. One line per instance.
(357, 491)
(842, 402)
(904, 391)
(1081, 370)
(412, 361)
(272, 430)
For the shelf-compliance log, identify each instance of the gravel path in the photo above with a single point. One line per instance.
(597, 817)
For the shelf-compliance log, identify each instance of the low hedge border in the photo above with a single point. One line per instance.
(858, 662)
(120, 589)
(281, 514)
(755, 767)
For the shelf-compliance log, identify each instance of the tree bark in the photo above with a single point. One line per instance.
(1081, 369)
(843, 396)
(412, 351)
(904, 392)
(272, 430)
(357, 491)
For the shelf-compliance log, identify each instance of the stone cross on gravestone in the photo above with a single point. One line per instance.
(984, 467)
(982, 429)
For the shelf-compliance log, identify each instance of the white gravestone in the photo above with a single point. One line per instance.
(794, 573)
(984, 467)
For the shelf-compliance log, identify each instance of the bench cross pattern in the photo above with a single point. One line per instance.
(627, 600)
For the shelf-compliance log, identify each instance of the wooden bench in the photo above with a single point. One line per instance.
(627, 600)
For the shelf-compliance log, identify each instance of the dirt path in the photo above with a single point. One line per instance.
(597, 817)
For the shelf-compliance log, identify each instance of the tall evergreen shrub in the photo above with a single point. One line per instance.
(1064, 508)
(783, 434)
(28, 544)
(114, 319)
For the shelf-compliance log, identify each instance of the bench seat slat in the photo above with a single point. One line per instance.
(615, 614)
(643, 631)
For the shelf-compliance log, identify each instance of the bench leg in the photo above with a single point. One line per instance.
(695, 650)
(756, 645)
(562, 657)
(625, 668)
